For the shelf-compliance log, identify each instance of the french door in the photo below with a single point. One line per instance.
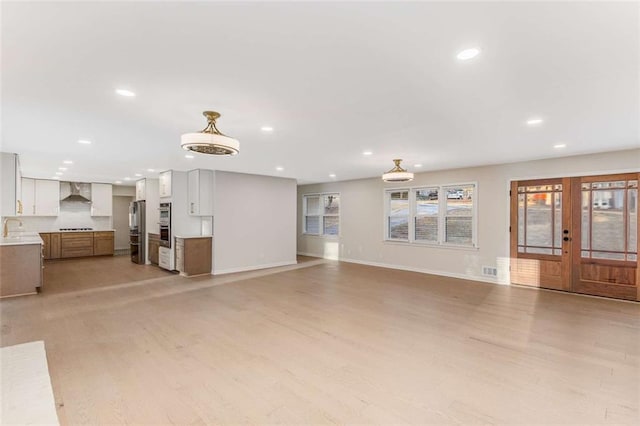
(577, 234)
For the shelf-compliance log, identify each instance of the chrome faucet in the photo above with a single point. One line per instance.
(5, 227)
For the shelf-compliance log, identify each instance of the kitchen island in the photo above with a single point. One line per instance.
(20, 265)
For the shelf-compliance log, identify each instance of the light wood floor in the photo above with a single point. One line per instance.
(325, 342)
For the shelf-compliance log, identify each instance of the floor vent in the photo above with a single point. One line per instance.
(489, 271)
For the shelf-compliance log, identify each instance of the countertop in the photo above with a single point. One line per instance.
(193, 236)
(21, 239)
(92, 230)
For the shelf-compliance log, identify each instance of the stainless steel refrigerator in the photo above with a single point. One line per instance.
(137, 232)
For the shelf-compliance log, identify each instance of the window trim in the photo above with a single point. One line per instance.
(321, 233)
(442, 208)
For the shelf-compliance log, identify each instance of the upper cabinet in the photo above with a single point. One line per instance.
(200, 192)
(101, 199)
(165, 184)
(28, 197)
(47, 197)
(141, 186)
(40, 197)
(10, 181)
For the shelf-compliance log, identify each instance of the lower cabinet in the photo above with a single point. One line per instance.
(193, 255)
(62, 245)
(154, 248)
(103, 243)
(20, 269)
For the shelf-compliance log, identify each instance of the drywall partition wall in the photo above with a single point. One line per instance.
(362, 216)
(254, 222)
(121, 221)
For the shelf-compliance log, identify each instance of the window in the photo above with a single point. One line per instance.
(443, 215)
(321, 214)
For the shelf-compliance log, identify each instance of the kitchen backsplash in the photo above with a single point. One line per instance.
(72, 215)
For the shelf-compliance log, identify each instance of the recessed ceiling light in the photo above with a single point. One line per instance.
(189, 156)
(534, 121)
(118, 181)
(127, 178)
(279, 168)
(266, 129)
(68, 162)
(62, 168)
(151, 170)
(59, 173)
(84, 142)
(560, 145)
(332, 175)
(138, 174)
(367, 153)
(467, 54)
(417, 166)
(125, 92)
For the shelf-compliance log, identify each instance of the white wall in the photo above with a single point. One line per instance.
(362, 220)
(254, 222)
(124, 190)
(121, 221)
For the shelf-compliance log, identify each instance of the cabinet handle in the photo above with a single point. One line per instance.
(191, 207)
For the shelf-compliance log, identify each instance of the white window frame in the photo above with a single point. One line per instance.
(442, 214)
(321, 215)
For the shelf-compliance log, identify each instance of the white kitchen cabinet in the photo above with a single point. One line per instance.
(165, 184)
(47, 197)
(10, 181)
(28, 197)
(101, 199)
(200, 192)
(141, 193)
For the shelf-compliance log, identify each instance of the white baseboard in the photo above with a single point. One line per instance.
(253, 267)
(410, 269)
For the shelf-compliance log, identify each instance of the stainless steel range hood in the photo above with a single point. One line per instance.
(75, 191)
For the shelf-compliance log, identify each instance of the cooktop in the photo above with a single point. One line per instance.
(76, 229)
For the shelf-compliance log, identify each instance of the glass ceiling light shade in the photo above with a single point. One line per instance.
(397, 174)
(210, 140)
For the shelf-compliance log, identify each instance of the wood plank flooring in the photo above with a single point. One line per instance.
(325, 342)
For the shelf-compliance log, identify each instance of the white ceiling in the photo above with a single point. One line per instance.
(333, 79)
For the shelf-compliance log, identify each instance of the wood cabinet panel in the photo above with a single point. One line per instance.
(20, 269)
(80, 242)
(54, 251)
(193, 255)
(103, 243)
(76, 252)
(46, 248)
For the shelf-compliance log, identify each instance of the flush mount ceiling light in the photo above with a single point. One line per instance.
(84, 142)
(467, 54)
(534, 121)
(560, 145)
(266, 129)
(126, 93)
(210, 140)
(397, 174)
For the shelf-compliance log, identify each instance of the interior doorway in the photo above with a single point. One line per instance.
(577, 234)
